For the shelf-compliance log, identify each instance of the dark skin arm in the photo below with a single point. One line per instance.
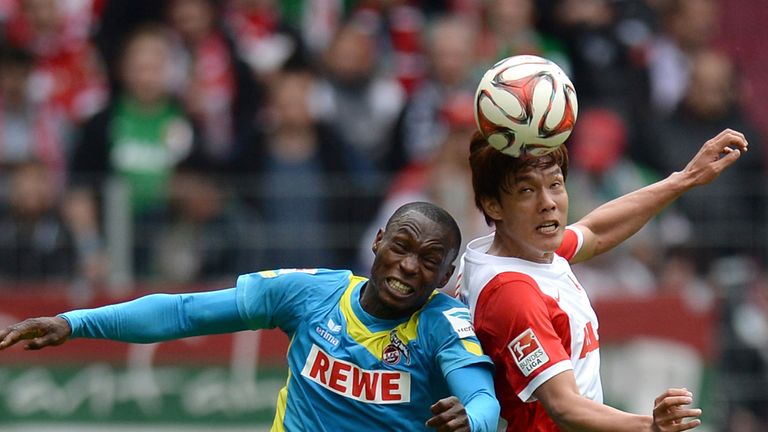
(40, 332)
(450, 416)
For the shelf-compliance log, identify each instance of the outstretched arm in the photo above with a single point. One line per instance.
(474, 406)
(573, 412)
(617, 220)
(152, 318)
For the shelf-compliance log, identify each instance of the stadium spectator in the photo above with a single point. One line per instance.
(117, 20)
(510, 29)
(411, 345)
(36, 242)
(607, 52)
(363, 104)
(202, 235)
(687, 27)
(531, 314)
(29, 130)
(297, 177)
(266, 41)
(219, 90)
(138, 139)
(398, 28)
(68, 73)
(451, 50)
(725, 217)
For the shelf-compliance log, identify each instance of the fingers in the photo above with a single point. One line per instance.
(730, 139)
(450, 416)
(8, 337)
(50, 339)
(669, 411)
(41, 332)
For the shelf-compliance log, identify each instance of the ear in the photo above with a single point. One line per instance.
(377, 240)
(491, 207)
(446, 276)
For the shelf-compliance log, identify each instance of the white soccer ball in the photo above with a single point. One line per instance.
(525, 103)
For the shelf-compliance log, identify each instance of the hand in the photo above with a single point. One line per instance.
(716, 155)
(48, 331)
(669, 414)
(450, 415)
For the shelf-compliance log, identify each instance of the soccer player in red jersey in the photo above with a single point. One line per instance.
(530, 313)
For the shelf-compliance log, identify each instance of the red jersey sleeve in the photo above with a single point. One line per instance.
(572, 241)
(524, 332)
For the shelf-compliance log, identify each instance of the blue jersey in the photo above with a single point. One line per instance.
(346, 364)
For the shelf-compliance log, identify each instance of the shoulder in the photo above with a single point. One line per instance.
(445, 314)
(296, 278)
(510, 293)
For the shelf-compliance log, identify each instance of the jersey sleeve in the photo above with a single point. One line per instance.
(279, 298)
(516, 325)
(453, 337)
(571, 244)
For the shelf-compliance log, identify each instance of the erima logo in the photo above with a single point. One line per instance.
(332, 326)
(527, 352)
(461, 321)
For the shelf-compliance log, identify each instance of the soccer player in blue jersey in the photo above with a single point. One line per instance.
(385, 353)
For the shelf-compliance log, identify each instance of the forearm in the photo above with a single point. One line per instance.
(159, 317)
(617, 220)
(473, 385)
(584, 415)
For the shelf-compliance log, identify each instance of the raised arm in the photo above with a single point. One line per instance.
(613, 222)
(152, 318)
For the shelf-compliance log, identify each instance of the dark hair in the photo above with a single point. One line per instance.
(15, 56)
(434, 213)
(494, 172)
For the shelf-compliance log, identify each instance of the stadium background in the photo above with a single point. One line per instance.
(373, 119)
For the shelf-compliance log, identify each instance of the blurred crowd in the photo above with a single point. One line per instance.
(178, 141)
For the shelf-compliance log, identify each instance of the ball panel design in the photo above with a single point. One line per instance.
(525, 103)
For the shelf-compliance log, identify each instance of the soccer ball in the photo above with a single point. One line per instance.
(525, 103)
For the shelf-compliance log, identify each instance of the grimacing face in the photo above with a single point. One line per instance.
(414, 257)
(531, 216)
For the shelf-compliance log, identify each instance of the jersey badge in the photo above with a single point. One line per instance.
(527, 352)
(395, 351)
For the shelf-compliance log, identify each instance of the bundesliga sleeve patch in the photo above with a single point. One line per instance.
(461, 321)
(527, 352)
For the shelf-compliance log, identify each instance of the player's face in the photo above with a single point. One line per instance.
(413, 258)
(531, 216)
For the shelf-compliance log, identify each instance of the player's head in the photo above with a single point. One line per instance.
(414, 255)
(524, 197)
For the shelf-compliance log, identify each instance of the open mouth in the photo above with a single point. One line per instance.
(548, 227)
(399, 287)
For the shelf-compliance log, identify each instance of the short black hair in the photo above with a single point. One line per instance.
(434, 213)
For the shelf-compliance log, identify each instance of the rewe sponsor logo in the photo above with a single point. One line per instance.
(527, 352)
(349, 380)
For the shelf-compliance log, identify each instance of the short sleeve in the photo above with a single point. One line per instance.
(453, 337)
(522, 331)
(571, 244)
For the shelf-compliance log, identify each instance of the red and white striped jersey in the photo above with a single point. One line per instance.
(535, 321)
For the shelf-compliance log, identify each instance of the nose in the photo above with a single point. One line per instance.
(409, 264)
(547, 201)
